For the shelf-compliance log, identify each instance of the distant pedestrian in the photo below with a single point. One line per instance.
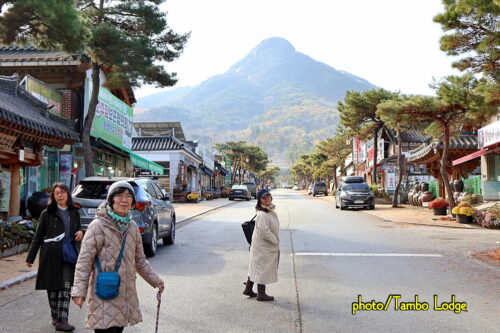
(59, 223)
(103, 239)
(265, 248)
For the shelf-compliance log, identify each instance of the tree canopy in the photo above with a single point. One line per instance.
(472, 30)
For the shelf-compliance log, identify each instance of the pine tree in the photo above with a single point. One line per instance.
(472, 28)
(127, 38)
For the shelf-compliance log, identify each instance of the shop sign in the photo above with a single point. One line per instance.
(113, 120)
(44, 93)
(391, 179)
(21, 155)
(488, 135)
(359, 151)
(182, 174)
(208, 157)
(229, 166)
(7, 141)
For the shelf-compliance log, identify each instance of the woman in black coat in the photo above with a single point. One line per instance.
(59, 223)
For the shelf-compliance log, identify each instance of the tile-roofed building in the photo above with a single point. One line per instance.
(19, 109)
(25, 55)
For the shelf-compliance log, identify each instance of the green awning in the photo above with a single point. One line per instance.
(144, 163)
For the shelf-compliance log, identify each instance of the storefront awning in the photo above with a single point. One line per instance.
(472, 156)
(223, 171)
(144, 163)
(207, 171)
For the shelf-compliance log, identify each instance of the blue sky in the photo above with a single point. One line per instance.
(393, 44)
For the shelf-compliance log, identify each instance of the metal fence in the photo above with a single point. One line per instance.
(472, 185)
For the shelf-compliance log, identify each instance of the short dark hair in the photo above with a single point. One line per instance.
(65, 188)
(119, 190)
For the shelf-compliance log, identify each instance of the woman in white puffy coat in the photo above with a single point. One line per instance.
(265, 248)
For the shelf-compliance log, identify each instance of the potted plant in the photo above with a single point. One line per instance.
(193, 197)
(439, 206)
(464, 212)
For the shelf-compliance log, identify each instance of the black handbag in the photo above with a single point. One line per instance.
(248, 228)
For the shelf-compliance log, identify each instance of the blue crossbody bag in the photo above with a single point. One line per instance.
(107, 284)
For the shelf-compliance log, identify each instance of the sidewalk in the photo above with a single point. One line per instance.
(13, 269)
(408, 214)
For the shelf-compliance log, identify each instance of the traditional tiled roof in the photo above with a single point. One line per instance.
(412, 135)
(19, 107)
(30, 54)
(461, 142)
(160, 143)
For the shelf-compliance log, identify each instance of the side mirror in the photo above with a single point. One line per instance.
(166, 197)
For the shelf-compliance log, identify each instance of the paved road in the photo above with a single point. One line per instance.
(360, 255)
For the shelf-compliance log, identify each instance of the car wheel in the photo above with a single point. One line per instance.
(170, 239)
(372, 207)
(231, 199)
(248, 199)
(314, 194)
(150, 249)
(342, 207)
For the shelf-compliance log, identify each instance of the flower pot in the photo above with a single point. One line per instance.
(462, 218)
(37, 203)
(440, 211)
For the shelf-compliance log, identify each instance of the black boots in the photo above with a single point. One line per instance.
(261, 294)
(248, 289)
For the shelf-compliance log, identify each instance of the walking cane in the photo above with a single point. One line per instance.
(158, 297)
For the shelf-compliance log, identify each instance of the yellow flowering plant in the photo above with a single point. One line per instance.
(463, 210)
(193, 196)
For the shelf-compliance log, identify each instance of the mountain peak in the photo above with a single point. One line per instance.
(276, 44)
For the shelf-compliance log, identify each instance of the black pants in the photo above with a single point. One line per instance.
(110, 330)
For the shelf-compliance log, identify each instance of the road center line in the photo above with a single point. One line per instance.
(333, 254)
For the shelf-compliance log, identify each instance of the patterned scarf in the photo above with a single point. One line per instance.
(270, 208)
(122, 222)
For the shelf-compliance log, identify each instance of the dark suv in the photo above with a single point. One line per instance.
(353, 194)
(153, 213)
(320, 188)
(252, 188)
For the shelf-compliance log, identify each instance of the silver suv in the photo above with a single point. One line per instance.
(153, 212)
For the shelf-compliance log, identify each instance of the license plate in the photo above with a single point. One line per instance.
(92, 211)
(238, 192)
(358, 201)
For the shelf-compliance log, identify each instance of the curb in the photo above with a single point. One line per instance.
(418, 223)
(32, 274)
(18, 279)
(407, 222)
(204, 212)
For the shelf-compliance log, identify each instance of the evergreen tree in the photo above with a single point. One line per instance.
(127, 38)
(460, 100)
(358, 113)
(473, 31)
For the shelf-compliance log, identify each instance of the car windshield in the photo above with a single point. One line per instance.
(95, 190)
(239, 187)
(356, 187)
(320, 184)
(249, 185)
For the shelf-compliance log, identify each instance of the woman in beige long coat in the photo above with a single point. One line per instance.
(265, 248)
(104, 239)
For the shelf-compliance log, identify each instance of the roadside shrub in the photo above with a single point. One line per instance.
(473, 199)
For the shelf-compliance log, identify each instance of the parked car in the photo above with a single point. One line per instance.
(296, 188)
(320, 188)
(353, 179)
(240, 192)
(354, 195)
(153, 212)
(252, 188)
(310, 190)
